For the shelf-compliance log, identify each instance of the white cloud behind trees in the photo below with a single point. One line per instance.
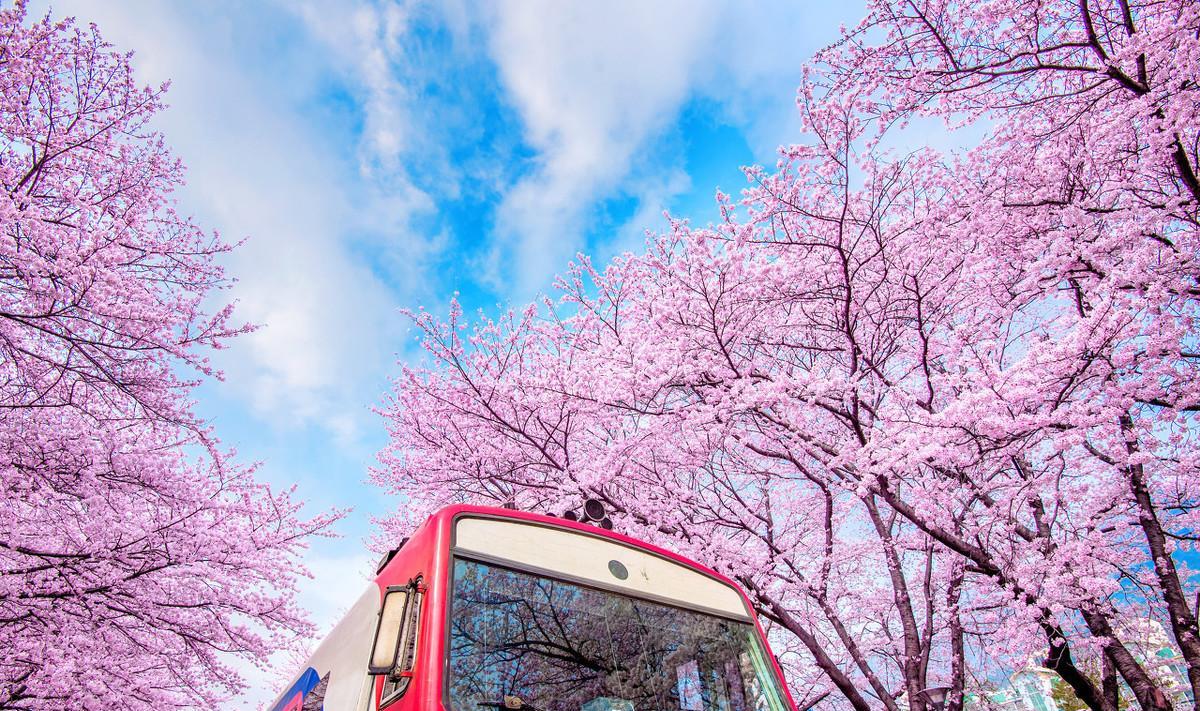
(594, 85)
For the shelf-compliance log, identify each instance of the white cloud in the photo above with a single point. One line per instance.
(256, 169)
(591, 82)
(595, 82)
(364, 38)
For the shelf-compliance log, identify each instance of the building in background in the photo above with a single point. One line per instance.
(1153, 647)
(1033, 687)
(1028, 689)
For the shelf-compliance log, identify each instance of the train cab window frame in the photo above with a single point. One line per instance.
(517, 637)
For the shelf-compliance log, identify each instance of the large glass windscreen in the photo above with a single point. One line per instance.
(522, 641)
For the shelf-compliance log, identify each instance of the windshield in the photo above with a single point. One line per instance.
(518, 640)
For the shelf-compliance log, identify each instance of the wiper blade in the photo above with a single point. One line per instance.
(510, 703)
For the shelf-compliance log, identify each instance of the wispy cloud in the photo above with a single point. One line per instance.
(258, 170)
(363, 39)
(596, 83)
(594, 86)
(592, 81)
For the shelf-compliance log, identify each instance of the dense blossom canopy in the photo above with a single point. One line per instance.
(137, 560)
(936, 412)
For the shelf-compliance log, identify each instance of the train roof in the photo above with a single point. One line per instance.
(444, 518)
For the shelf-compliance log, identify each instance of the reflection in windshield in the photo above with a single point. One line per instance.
(522, 641)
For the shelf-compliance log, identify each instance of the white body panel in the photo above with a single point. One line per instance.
(340, 662)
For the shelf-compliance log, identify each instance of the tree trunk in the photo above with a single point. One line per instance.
(913, 678)
(1145, 690)
(1183, 620)
(824, 662)
(1060, 661)
(958, 653)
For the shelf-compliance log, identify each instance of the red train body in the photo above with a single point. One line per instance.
(492, 608)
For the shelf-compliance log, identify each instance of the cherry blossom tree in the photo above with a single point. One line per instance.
(1088, 187)
(654, 395)
(936, 413)
(138, 560)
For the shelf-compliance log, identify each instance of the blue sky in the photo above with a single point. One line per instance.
(381, 155)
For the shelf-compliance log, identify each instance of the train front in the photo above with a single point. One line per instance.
(498, 609)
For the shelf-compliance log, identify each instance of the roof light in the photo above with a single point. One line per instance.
(593, 509)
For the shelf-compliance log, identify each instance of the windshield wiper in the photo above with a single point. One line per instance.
(510, 703)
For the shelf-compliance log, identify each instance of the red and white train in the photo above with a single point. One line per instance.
(485, 608)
